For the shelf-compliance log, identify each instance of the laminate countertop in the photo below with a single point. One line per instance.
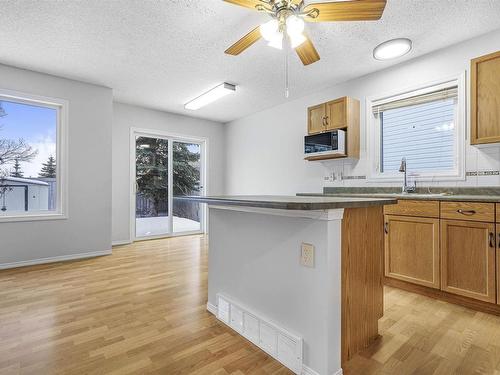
(291, 202)
(412, 196)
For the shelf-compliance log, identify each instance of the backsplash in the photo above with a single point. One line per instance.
(485, 190)
(482, 166)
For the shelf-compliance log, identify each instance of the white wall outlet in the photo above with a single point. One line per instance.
(307, 255)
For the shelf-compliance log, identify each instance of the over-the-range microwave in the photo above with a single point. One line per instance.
(328, 143)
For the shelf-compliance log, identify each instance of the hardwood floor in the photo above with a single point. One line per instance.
(421, 335)
(142, 310)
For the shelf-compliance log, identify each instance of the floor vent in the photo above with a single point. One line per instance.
(274, 340)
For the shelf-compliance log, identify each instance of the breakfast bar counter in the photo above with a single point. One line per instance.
(301, 277)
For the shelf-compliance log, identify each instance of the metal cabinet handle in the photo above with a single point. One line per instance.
(492, 239)
(326, 120)
(466, 212)
(386, 228)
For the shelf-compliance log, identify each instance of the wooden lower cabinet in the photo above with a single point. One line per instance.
(412, 249)
(468, 259)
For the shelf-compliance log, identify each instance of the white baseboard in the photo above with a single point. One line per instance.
(121, 242)
(212, 308)
(62, 258)
(309, 371)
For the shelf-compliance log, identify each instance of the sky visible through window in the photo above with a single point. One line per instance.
(37, 126)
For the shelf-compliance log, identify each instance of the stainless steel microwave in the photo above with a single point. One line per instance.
(332, 142)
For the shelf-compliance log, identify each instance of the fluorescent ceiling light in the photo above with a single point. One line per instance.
(211, 96)
(392, 49)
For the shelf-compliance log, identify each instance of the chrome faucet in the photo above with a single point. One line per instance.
(406, 188)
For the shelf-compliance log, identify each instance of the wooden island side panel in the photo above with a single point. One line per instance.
(362, 277)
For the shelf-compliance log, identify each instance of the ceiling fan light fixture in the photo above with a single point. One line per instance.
(276, 42)
(294, 25)
(211, 96)
(392, 49)
(270, 30)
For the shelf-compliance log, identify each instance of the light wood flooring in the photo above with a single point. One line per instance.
(142, 310)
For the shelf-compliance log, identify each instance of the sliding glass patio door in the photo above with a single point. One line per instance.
(166, 168)
(186, 180)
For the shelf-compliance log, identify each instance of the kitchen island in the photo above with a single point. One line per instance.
(301, 277)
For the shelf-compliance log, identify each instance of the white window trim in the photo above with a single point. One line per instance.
(373, 131)
(61, 105)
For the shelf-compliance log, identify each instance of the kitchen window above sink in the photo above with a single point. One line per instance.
(423, 126)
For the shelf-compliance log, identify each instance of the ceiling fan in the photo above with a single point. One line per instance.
(286, 28)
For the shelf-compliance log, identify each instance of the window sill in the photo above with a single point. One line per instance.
(32, 217)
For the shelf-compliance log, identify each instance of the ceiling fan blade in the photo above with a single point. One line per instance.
(246, 3)
(244, 42)
(355, 10)
(307, 53)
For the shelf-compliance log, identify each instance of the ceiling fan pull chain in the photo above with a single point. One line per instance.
(287, 49)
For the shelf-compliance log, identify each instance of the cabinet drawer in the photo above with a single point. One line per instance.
(413, 208)
(469, 211)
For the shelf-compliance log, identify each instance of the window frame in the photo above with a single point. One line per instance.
(374, 132)
(61, 106)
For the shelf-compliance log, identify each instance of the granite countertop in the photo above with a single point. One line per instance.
(291, 202)
(413, 196)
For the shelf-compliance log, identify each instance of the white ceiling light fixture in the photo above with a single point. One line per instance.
(392, 49)
(211, 96)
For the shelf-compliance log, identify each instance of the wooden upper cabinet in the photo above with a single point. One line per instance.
(468, 259)
(342, 113)
(336, 114)
(412, 249)
(316, 119)
(485, 99)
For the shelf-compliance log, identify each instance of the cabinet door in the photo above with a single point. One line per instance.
(316, 121)
(485, 99)
(412, 249)
(336, 114)
(468, 259)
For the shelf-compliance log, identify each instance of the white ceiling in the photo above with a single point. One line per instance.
(160, 54)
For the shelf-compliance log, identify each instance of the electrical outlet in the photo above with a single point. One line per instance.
(307, 255)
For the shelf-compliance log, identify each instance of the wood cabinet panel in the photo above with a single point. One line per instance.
(336, 114)
(412, 250)
(413, 208)
(362, 274)
(468, 259)
(485, 99)
(498, 264)
(473, 211)
(498, 212)
(316, 119)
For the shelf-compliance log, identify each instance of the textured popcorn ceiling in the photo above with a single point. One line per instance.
(160, 54)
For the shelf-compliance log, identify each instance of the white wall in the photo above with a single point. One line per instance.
(128, 116)
(265, 150)
(88, 227)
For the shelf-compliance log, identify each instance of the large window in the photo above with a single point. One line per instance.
(30, 156)
(423, 126)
